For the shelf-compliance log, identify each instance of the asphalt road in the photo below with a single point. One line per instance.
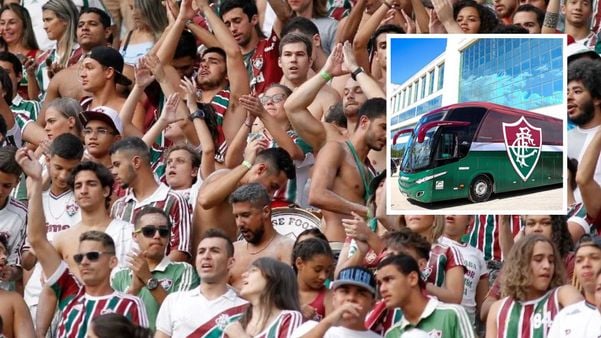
(537, 200)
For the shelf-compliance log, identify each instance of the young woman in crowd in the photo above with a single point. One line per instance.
(313, 261)
(19, 39)
(62, 116)
(473, 17)
(150, 20)
(271, 289)
(533, 280)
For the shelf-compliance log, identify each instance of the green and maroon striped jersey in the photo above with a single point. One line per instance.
(283, 326)
(484, 235)
(78, 308)
(529, 319)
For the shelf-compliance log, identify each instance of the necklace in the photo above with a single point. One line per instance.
(265, 247)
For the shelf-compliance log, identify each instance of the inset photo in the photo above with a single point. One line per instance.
(476, 124)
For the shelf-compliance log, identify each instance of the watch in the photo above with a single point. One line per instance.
(356, 72)
(152, 283)
(199, 114)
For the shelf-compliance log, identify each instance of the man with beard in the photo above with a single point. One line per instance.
(342, 187)
(132, 169)
(251, 207)
(584, 109)
(505, 9)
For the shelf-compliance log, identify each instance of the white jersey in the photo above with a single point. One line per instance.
(579, 141)
(576, 321)
(13, 227)
(191, 194)
(333, 332)
(476, 269)
(190, 314)
(61, 212)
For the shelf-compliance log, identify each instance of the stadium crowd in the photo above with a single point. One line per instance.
(146, 146)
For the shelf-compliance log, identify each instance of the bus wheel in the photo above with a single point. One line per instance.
(480, 189)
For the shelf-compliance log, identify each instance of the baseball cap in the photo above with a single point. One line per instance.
(577, 50)
(103, 113)
(357, 276)
(110, 57)
(588, 240)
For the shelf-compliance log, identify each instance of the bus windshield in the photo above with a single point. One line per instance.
(418, 155)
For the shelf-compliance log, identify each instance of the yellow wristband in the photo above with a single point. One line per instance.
(247, 164)
(325, 75)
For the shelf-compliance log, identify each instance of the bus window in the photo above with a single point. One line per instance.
(447, 147)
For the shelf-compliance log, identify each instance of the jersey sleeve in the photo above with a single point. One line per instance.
(138, 313)
(463, 327)
(64, 285)
(120, 281)
(303, 329)
(14, 256)
(454, 259)
(187, 280)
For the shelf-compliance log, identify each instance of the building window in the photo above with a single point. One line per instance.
(520, 73)
(415, 90)
(440, 76)
(423, 87)
(431, 82)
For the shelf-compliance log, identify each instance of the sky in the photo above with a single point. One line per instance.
(408, 56)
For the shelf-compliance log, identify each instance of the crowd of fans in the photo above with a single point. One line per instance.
(145, 144)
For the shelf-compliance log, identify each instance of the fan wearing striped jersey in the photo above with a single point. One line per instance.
(533, 280)
(78, 301)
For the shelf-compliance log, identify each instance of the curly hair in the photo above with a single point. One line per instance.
(560, 235)
(589, 73)
(516, 277)
(488, 19)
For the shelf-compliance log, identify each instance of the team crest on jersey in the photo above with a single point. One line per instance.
(72, 209)
(166, 284)
(258, 63)
(435, 334)
(105, 311)
(426, 272)
(523, 143)
(222, 321)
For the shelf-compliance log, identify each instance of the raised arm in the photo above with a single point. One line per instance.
(361, 41)
(585, 177)
(143, 78)
(444, 12)
(281, 137)
(36, 222)
(306, 125)
(235, 150)
(207, 144)
(422, 19)
(236, 71)
(370, 87)
(551, 17)
(168, 116)
(283, 13)
(348, 27)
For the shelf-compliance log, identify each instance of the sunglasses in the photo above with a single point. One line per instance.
(149, 231)
(277, 98)
(92, 256)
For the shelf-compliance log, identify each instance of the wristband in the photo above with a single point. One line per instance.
(247, 164)
(325, 75)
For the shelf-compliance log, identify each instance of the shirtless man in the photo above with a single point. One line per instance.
(342, 186)
(295, 61)
(14, 315)
(93, 29)
(270, 167)
(250, 206)
(356, 93)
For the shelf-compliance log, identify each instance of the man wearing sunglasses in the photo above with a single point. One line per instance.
(79, 302)
(582, 319)
(151, 275)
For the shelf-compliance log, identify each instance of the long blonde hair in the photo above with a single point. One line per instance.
(516, 277)
(66, 11)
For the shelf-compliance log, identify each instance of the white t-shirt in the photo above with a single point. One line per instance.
(576, 321)
(579, 141)
(191, 314)
(333, 332)
(476, 269)
(61, 212)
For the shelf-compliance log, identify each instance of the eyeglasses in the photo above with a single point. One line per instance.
(277, 98)
(92, 256)
(98, 131)
(149, 231)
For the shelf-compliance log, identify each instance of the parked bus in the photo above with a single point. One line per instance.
(476, 149)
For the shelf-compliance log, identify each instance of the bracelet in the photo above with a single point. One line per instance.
(325, 75)
(247, 164)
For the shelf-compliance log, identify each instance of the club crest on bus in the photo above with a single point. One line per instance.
(523, 143)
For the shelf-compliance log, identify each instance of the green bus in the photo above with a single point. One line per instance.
(474, 149)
